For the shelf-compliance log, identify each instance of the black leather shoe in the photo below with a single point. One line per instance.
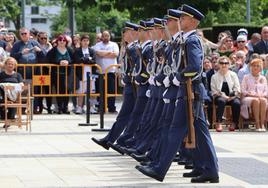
(100, 142)
(147, 163)
(150, 172)
(204, 179)
(176, 159)
(193, 173)
(182, 161)
(139, 158)
(189, 165)
(116, 147)
(129, 151)
(65, 112)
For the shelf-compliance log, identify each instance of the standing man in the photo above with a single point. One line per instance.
(262, 46)
(107, 52)
(204, 155)
(127, 58)
(27, 51)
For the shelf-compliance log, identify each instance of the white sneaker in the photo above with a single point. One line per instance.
(78, 110)
(92, 110)
(260, 130)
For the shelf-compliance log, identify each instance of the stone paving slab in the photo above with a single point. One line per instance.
(59, 153)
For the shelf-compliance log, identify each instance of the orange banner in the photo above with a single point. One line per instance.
(41, 80)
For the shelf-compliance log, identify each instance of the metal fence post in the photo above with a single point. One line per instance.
(101, 86)
(88, 105)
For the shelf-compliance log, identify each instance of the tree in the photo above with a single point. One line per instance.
(216, 11)
(101, 14)
(11, 9)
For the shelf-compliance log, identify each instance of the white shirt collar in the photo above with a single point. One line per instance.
(130, 44)
(176, 35)
(144, 43)
(187, 34)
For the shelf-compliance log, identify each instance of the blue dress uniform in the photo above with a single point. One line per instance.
(141, 79)
(151, 93)
(207, 156)
(148, 132)
(129, 94)
(169, 96)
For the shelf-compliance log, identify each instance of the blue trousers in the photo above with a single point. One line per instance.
(122, 118)
(150, 129)
(176, 134)
(133, 121)
(146, 118)
(160, 141)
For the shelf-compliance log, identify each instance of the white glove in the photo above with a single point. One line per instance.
(166, 81)
(148, 93)
(157, 83)
(176, 82)
(122, 82)
(151, 80)
(137, 83)
(166, 101)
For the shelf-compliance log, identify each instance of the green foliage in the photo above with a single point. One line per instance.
(88, 17)
(216, 11)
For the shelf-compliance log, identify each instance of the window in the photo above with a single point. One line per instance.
(38, 20)
(35, 10)
(28, 2)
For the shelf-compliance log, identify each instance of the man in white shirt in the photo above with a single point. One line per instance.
(106, 55)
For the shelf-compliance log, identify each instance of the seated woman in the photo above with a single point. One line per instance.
(9, 76)
(225, 90)
(254, 91)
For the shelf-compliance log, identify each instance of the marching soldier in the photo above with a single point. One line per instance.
(141, 77)
(152, 94)
(189, 74)
(170, 90)
(127, 56)
(146, 135)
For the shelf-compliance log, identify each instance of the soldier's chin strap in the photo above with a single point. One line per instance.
(167, 32)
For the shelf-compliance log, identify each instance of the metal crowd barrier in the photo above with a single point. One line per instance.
(116, 86)
(48, 80)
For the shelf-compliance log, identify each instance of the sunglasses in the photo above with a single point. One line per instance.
(62, 40)
(23, 33)
(43, 38)
(224, 63)
(255, 65)
(241, 41)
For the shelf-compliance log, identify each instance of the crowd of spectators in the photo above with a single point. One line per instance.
(35, 47)
(236, 72)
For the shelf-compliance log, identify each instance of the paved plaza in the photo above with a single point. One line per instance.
(59, 153)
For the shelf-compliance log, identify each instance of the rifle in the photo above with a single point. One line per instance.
(190, 138)
(122, 56)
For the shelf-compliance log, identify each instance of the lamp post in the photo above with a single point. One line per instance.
(71, 16)
(22, 13)
(248, 11)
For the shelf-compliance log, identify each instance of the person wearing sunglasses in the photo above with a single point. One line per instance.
(225, 89)
(61, 55)
(27, 51)
(241, 43)
(42, 38)
(254, 91)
